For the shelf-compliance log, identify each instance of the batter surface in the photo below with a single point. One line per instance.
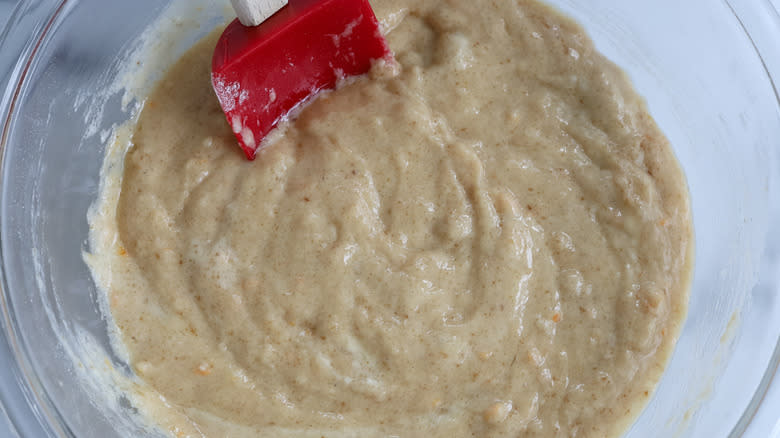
(495, 241)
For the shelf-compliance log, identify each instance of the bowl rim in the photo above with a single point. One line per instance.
(761, 47)
(43, 17)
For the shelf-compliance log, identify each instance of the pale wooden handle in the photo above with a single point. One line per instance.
(254, 12)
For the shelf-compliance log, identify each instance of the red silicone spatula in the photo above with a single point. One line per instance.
(262, 72)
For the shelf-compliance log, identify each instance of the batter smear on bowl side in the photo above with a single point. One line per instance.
(492, 240)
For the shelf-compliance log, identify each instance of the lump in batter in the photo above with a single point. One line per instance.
(496, 241)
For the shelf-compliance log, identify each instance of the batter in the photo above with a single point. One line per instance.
(493, 240)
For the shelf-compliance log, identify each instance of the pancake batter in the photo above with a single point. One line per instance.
(493, 240)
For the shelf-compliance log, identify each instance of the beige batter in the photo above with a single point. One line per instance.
(495, 241)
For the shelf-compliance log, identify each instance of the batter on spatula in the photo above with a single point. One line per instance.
(492, 241)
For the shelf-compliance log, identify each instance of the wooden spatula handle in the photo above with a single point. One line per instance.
(254, 12)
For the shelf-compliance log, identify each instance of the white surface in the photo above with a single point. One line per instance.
(254, 12)
(6, 430)
(766, 422)
(5, 11)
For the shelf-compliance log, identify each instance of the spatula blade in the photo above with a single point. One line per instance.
(261, 74)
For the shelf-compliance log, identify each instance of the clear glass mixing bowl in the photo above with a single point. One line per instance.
(706, 68)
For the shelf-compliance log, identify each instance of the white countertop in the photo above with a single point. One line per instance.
(5, 11)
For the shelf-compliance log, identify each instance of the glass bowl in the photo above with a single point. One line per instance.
(707, 69)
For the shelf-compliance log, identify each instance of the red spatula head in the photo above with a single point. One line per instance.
(260, 74)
